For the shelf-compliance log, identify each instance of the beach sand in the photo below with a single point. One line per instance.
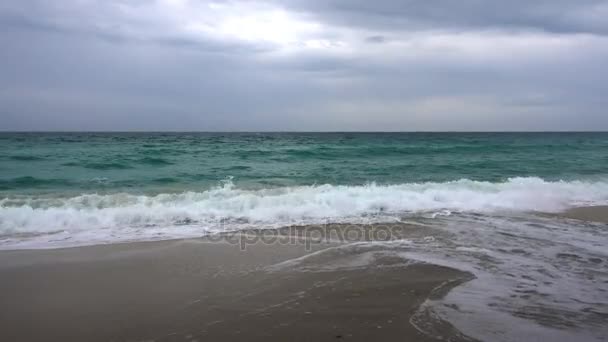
(197, 290)
(591, 214)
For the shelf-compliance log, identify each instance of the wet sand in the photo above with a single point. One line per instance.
(196, 290)
(591, 214)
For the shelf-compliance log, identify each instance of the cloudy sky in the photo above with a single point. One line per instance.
(312, 65)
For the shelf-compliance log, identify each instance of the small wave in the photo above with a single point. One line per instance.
(165, 180)
(247, 153)
(161, 151)
(26, 158)
(239, 168)
(154, 161)
(105, 166)
(32, 182)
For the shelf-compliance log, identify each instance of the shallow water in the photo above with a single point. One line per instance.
(534, 278)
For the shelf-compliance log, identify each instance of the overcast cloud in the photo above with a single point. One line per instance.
(320, 65)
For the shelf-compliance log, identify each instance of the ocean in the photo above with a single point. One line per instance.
(489, 200)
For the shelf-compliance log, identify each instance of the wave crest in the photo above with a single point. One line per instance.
(227, 204)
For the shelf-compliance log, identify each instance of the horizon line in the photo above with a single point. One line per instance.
(294, 131)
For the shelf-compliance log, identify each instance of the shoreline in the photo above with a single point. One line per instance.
(593, 213)
(597, 213)
(235, 286)
(193, 290)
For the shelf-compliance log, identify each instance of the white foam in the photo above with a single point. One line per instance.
(230, 207)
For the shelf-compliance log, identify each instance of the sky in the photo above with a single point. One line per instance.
(304, 65)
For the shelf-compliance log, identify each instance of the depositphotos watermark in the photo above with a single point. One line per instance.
(308, 236)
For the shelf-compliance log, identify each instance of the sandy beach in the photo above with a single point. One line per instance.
(591, 214)
(300, 283)
(197, 290)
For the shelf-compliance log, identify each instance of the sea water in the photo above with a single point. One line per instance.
(486, 198)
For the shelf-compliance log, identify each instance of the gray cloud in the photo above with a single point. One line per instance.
(349, 65)
(561, 16)
(375, 39)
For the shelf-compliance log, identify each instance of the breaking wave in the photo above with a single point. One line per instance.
(229, 205)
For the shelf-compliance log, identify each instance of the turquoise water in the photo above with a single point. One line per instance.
(116, 186)
(100, 187)
(172, 162)
(477, 195)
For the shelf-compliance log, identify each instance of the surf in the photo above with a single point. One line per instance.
(230, 207)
